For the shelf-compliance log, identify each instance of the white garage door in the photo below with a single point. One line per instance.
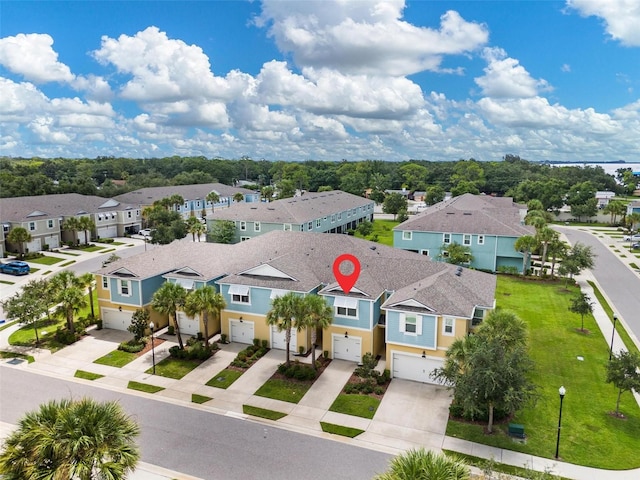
(188, 325)
(34, 245)
(108, 232)
(414, 367)
(347, 348)
(53, 241)
(116, 319)
(278, 340)
(241, 332)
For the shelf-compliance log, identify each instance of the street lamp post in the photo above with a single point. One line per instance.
(153, 351)
(561, 391)
(613, 334)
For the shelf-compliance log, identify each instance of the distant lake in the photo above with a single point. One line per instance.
(609, 168)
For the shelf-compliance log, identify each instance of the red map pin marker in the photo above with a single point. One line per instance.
(346, 281)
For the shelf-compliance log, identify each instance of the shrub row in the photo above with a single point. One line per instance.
(297, 370)
(131, 346)
(197, 351)
(366, 387)
(66, 337)
(249, 355)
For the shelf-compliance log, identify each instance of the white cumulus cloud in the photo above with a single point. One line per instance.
(32, 56)
(621, 17)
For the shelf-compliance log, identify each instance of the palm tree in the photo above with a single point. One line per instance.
(87, 280)
(544, 236)
(82, 439)
(69, 295)
(73, 224)
(525, 244)
(214, 198)
(194, 226)
(175, 200)
(204, 301)
(201, 229)
(20, 236)
(557, 249)
(84, 224)
(167, 299)
(286, 313)
(317, 315)
(424, 464)
(238, 197)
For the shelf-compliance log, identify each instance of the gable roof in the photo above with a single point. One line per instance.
(477, 214)
(22, 209)
(303, 262)
(146, 196)
(296, 210)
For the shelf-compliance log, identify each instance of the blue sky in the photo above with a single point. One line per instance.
(321, 80)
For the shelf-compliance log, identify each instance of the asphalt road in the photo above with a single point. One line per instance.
(619, 283)
(201, 443)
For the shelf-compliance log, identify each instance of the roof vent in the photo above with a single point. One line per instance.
(451, 213)
(458, 271)
(254, 208)
(467, 213)
(373, 247)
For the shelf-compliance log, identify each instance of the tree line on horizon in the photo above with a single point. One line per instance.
(112, 176)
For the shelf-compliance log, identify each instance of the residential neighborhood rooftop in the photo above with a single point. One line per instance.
(146, 196)
(478, 214)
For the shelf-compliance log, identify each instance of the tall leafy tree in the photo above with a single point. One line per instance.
(623, 371)
(28, 306)
(80, 439)
(393, 203)
(456, 254)
(21, 236)
(204, 301)
(317, 315)
(167, 300)
(434, 194)
(580, 257)
(69, 295)
(222, 231)
(286, 314)
(582, 305)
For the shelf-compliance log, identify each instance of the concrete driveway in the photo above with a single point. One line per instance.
(414, 413)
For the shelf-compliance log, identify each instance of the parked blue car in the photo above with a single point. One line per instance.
(15, 268)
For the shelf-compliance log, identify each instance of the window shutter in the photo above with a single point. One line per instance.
(402, 323)
(418, 325)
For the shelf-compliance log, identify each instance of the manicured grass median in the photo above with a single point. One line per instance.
(225, 378)
(590, 435)
(262, 412)
(46, 260)
(117, 358)
(28, 358)
(144, 387)
(340, 430)
(285, 390)
(355, 404)
(195, 398)
(175, 368)
(87, 375)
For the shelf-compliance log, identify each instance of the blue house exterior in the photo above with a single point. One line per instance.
(488, 226)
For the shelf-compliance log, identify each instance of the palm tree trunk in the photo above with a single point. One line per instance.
(287, 337)
(314, 337)
(177, 325)
(70, 324)
(490, 424)
(93, 315)
(205, 320)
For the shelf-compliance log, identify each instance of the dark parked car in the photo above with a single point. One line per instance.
(15, 268)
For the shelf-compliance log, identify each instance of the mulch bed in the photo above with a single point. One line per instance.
(355, 379)
(324, 363)
(147, 347)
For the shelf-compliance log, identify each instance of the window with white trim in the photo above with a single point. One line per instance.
(348, 213)
(346, 307)
(310, 226)
(339, 216)
(410, 324)
(480, 239)
(286, 227)
(318, 223)
(256, 226)
(129, 214)
(105, 282)
(32, 226)
(406, 235)
(50, 223)
(446, 238)
(333, 218)
(243, 226)
(448, 326)
(239, 294)
(124, 288)
(424, 252)
(466, 239)
(244, 239)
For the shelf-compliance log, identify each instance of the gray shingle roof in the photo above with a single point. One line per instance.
(146, 196)
(477, 214)
(309, 258)
(23, 209)
(296, 210)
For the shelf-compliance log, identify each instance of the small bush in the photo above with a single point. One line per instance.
(171, 330)
(256, 342)
(132, 346)
(199, 336)
(301, 350)
(298, 371)
(378, 390)
(99, 324)
(65, 337)
(223, 337)
(265, 345)
(195, 352)
(106, 240)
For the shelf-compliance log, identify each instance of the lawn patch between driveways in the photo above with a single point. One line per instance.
(225, 378)
(175, 368)
(117, 358)
(144, 387)
(358, 405)
(287, 390)
(340, 430)
(87, 375)
(262, 412)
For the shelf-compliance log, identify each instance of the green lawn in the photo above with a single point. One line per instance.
(117, 358)
(590, 436)
(144, 387)
(93, 248)
(87, 375)
(225, 378)
(384, 230)
(46, 260)
(26, 337)
(28, 358)
(7, 325)
(286, 390)
(175, 368)
(340, 430)
(355, 404)
(199, 399)
(262, 412)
